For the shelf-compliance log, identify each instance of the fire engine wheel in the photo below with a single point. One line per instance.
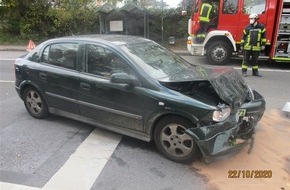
(218, 53)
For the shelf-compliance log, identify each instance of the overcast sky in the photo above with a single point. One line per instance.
(172, 3)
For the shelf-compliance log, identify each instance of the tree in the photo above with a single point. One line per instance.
(40, 19)
(43, 19)
(16, 13)
(75, 17)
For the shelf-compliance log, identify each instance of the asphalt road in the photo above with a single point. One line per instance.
(42, 153)
(35, 152)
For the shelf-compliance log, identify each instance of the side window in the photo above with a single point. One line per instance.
(62, 54)
(104, 62)
(254, 6)
(44, 57)
(230, 7)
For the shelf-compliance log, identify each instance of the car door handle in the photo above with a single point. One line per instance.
(85, 86)
(43, 75)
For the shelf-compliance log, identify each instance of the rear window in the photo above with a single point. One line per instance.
(61, 54)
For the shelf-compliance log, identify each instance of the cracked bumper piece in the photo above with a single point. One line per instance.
(223, 140)
(225, 144)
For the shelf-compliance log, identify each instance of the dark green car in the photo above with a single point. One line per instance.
(136, 87)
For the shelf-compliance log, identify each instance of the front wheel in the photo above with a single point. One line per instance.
(172, 141)
(34, 103)
(219, 53)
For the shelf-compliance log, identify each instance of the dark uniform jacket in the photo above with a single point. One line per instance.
(254, 37)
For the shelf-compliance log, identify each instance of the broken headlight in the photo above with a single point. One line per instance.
(222, 113)
(250, 95)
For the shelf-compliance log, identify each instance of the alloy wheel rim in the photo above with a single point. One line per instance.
(34, 102)
(175, 141)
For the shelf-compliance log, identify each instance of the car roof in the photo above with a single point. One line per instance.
(113, 39)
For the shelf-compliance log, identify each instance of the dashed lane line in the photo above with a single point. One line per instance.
(268, 70)
(83, 167)
(7, 59)
(6, 81)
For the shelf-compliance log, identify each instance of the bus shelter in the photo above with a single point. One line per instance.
(128, 20)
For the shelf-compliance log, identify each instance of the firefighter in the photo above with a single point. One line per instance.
(253, 41)
(204, 19)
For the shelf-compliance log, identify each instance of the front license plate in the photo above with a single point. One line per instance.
(242, 112)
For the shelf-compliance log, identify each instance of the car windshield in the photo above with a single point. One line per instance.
(156, 60)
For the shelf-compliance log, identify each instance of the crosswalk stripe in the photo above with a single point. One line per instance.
(10, 186)
(83, 167)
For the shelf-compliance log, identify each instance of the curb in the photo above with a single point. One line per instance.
(12, 48)
(23, 48)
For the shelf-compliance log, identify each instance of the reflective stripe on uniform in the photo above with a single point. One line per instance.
(254, 37)
(244, 66)
(201, 35)
(205, 12)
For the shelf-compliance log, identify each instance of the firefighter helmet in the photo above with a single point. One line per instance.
(254, 16)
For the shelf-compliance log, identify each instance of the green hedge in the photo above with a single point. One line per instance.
(41, 21)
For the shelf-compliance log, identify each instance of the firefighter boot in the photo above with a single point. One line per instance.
(244, 72)
(256, 73)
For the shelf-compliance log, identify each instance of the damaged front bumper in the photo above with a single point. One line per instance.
(222, 140)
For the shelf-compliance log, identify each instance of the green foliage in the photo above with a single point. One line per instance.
(75, 22)
(39, 20)
(179, 28)
(36, 22)
(174, 24)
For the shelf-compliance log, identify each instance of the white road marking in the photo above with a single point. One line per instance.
(6, 81)
(10, 186)
(83, 167)
(7, 59)
(268, 70)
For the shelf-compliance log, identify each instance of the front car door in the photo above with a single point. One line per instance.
(110, 104)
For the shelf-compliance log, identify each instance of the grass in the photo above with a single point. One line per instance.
(7, 39)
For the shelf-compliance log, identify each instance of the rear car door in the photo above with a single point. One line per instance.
(58, 76)
(108, 103)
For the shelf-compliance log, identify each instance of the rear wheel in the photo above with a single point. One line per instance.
(219, 53)
(34, 103)
(171, 140)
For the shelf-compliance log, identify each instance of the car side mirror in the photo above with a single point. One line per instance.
(34, 57)
(124, 78)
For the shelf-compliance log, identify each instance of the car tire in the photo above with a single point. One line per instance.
(34, 103)
(219, 53)
(172, 141)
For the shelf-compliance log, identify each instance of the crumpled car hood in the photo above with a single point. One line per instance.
(228, 84)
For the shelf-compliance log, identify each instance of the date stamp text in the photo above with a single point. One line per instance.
(250, 174)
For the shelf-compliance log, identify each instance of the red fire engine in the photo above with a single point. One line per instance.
(228, 18)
